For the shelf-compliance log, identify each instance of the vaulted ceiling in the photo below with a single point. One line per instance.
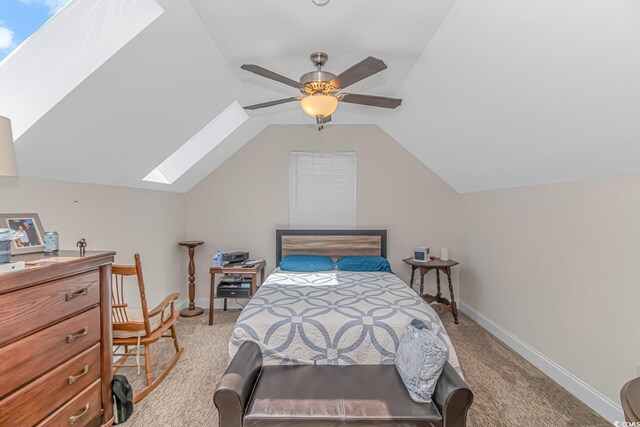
(497, 93)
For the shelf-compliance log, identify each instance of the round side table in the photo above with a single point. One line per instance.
(192, 310)
(439, 303)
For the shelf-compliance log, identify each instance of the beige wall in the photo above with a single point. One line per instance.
(240, 205)
(556, 266)
(111, 218)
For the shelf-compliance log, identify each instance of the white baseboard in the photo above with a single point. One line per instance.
(587, 394)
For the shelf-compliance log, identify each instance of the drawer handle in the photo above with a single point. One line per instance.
(74, 418)
(73, 378)
(71, 338)
(76, 294)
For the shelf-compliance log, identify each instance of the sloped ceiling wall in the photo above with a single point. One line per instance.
(516, 93)
(135, 110)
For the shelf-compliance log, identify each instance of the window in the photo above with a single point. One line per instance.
(21, 18)
(322, 189)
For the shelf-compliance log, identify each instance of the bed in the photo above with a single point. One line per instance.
(332, 317)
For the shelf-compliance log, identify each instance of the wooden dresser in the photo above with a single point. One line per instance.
(55, 341)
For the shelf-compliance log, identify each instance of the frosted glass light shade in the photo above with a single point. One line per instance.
(7, 155)
(319, 105)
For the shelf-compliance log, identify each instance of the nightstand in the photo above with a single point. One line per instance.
(439, 303)
(234, 269)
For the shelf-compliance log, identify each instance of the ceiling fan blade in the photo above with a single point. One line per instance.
(271, 75)
(272, 103)
(372, 100)
(360, 71)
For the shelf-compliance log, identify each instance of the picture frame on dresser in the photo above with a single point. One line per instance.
(31, 231)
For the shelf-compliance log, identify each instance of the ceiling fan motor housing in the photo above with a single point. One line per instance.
(317, 76)
(318, 81)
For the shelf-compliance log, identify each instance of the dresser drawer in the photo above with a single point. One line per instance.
(32, 308)
(35, 401)
(81, 411)
(25, 359)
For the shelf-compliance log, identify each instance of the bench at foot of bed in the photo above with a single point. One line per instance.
(251, 394)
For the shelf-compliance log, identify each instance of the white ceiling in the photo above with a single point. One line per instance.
(497, 93)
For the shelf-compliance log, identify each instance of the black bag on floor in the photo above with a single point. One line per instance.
(122, 399)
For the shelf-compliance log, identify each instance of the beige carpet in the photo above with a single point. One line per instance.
(508, 390)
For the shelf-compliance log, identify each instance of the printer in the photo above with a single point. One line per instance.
(233, 257)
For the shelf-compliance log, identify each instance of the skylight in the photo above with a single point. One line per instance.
(21, 18)
(223, 125)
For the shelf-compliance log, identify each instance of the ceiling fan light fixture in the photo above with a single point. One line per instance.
(319, 105)
(320, 2)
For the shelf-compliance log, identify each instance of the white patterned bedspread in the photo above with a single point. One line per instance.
(332, 317)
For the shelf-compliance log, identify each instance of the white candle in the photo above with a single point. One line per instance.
(444, 254)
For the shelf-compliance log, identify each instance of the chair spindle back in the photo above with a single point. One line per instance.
(119, 305)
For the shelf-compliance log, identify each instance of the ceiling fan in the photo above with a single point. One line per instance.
(322, 90)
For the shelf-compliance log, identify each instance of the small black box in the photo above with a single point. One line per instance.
(234, 286)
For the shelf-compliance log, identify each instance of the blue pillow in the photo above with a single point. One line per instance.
(363, 263)
(307, 263)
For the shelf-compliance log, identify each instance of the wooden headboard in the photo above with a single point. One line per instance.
(333, 243)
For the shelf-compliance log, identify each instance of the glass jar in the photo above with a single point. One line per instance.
(51, 242)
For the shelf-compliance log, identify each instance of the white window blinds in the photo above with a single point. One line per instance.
(322, 189)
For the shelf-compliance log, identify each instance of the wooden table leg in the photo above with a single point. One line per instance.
(413, 275)
(454, 306)
(439, 293)
(224, 300)
(261, 276)
(212, 297)
(254, 283)
(423, 271)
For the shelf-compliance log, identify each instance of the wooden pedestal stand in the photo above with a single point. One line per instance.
(192, 310)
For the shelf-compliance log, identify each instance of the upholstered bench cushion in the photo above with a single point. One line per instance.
(327, 395)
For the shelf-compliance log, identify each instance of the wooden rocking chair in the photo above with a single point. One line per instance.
(139, 327)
